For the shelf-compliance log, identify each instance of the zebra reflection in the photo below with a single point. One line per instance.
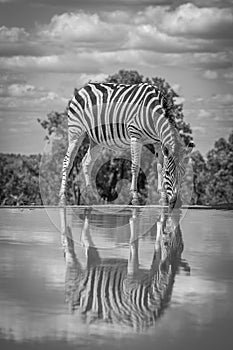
(117, 291)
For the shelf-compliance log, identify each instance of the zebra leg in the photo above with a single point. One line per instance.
(67, 165)
(159, 169)
(92, 255)
(136, 148)
(133, 262)
(89, 158)
(161, 189)
(67, 239)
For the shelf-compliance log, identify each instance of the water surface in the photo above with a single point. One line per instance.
(38, 285)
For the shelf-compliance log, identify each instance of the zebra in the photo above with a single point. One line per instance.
(120, 117)
(116, 291)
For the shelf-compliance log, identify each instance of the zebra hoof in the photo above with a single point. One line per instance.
(88, 196)
(176, 202)
(135, 201)
(62, 202)
(163, 202)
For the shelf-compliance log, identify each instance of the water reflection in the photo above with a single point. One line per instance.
(143, 245)
(119, 291)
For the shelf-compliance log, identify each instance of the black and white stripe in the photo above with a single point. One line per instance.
(108, 290)
(119, 116)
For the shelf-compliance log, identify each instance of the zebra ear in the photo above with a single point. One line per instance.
(165, 151)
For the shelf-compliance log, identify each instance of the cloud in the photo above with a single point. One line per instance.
(17, 41)
(179, 100)
(210, 74)
(149, 37)
(27, 97)
(212, 60)
(225, 115)
(21, 90)
(94, 3)
(67, 63)
(223, 100)
(83, 29)
(202, 22)
(17, 90)
(199, 130)
(9, 77)
(204, 114)
(156, 28)
(13, 34)
(71, 42)
(86, 78)
(83, 42)
(228, 76)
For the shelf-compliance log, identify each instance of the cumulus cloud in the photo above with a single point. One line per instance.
(156, 28)
(19, 97)
(199, 130)
(55, 63)
(228, 75)
(12, 34)
(84, 36)
(225, 100)
(148, 37)
(212, 60)
(85, 42)
(204, 114)
(17, 90)
(179, 100)
(203, 22)
(17, 41)
(224, 115)
(210, 74)
(84, 28)
(86, 78)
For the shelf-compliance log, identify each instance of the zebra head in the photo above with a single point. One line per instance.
(175, 163)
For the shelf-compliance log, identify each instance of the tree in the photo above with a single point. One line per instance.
(213, 177)
(19, 180)
(125, 77)
(52, 160)
(220, 168)
(199, 178)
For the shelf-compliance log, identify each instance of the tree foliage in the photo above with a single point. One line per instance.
(19, 180)
(213, 177)
(220, 169)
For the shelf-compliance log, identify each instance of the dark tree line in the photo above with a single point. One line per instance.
(19, 180)
(35, 179)
(213, 176)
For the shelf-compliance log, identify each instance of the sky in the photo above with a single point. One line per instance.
(48, 47)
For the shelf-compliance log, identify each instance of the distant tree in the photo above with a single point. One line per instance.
(51, 164)
(19, 180)
(125, 77)
(213, 177)
(220, 167)
(200, 178)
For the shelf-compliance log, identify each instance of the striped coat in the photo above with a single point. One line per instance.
(117, 291)
(119, 116)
